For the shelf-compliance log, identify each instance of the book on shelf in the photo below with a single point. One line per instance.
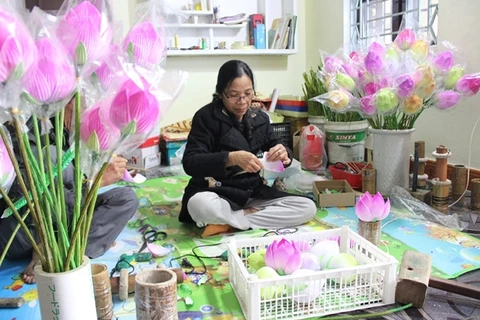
(282, 33)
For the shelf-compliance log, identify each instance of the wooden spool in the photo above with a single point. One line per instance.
(440, 195)
(130, 288)
(156, 295)
(413, 278)
(475, 197)
(370, 231)
(459, 183)
(441, 168)
(123, 285)
(102, 291)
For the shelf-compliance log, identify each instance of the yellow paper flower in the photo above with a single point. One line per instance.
(338, 99)
(412, 104)
(420, 50)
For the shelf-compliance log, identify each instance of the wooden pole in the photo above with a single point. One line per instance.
(475, 198)
(441, 185)
(459, 183)
(102, 291)
(368, 180)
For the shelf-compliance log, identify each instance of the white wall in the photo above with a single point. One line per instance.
(458, 23)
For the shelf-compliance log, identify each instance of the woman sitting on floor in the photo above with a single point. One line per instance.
(226, 190)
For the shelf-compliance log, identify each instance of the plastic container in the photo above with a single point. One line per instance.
(312, 149)
(338, 172)
(283, 132)
(373, 281)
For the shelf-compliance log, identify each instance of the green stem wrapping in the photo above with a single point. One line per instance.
(366, 316)
(43, 235)
(92, 193)
(78, 178)
(25, 228)
(61, 205)
(12, 236)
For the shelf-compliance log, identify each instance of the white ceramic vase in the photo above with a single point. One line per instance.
(66, 295)
(391, 158)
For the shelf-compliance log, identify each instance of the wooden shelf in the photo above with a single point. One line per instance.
(231, 52)
(197, 12)
(209, 25)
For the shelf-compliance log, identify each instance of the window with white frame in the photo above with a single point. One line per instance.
(381, 19)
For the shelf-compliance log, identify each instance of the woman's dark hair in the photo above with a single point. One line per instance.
(228, 72)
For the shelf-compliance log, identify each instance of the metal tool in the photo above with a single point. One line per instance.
(152, 236)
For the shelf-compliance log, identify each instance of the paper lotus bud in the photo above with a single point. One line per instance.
(338, 100)
(405, 39)
(412, 104)
(269, 292)
(52, 78)
(372, 87)
(302, 245)
(404, 85)
(392, 54)
(332, 64)
(305, 292)
(343, 260)
(453, 75)
(17, 48)
(446, 99)
(256, 260)
(371, 209)
(367, 105)
(95, 131)
(133, 105)
(324, 250)
(373, 62)
(85, 32)
(420, 50)
(443, 61)
(377, 47)
(424, 82)
(147, 46)
(386, 100)
(468, 85)
(310, 261)
(350, 70)
(7, 172)
(283, 256)
(346, 82)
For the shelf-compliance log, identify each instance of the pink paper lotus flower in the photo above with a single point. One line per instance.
(405, 39)
(52, 78)
(377, 47)
(443, 61)
(95, 131)
(85, 32)
(332, 64)
(17, 48)
(350, 70)
(374, 62)
(446, 99)
(404, 85)
(302, 245)
(147, 45)
(135, 105)
(283, 256)
(367, 105)
(371, 209)
(7, 172)
(468, 85)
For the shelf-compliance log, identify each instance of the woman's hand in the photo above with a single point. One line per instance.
(114, 171)
(277, 153)
(245, 160)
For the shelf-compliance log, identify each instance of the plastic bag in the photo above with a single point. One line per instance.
(312, 150)
(7, 172)
(405, 206)
(302, 182)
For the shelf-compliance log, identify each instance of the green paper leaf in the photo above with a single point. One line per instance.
(130, 50)
(30, 99)
(130, 128)
(93, 143)
(19, 71)
(81, 54)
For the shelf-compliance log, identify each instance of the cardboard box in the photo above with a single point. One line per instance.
(147, 155)
(345, 197)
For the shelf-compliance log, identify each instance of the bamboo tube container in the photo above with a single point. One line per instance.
(441, 185)
(475, 200)
(102, 291)
(156, 295)
(370, 231)
(459, 183)
(369, 180)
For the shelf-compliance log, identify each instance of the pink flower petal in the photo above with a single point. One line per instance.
(386, 210)
(269, 259)
(377, 207)
(127, 176)
(362, 210)
(294, 262)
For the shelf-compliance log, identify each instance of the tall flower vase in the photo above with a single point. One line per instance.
(391, 158)
(66, 295)
(371, 230)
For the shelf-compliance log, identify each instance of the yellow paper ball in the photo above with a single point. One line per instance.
(412, 104)
(338, 99)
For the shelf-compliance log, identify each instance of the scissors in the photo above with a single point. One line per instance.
(151, 236)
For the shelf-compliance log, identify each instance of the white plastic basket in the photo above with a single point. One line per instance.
(373, 284)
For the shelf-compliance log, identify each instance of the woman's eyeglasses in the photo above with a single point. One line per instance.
(237, 97)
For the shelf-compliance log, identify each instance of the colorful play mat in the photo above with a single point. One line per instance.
(206, 293)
